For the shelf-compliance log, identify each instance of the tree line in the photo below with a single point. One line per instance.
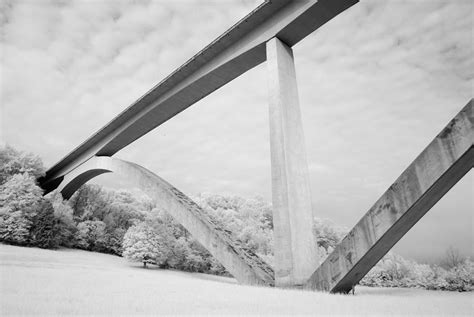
(131, 225)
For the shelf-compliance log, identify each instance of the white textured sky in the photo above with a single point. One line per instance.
(376, 85)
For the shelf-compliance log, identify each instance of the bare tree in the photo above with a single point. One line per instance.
(452, 258)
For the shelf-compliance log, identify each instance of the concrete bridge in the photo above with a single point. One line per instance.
(267, 34)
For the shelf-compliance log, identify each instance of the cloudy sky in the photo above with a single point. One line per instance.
(376, 85)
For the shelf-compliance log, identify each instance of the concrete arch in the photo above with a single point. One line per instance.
(241, 262)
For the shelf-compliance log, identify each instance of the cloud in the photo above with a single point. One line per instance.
(72, 66)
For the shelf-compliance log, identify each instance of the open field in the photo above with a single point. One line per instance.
(45, 282)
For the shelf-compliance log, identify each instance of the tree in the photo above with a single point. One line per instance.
(147, 243)
(14, 227)
(19, 201)
(90, 203)
(63, 213)
(44, 232)
(114, 241)
(395, 271)
(327, 235)
(15, 162)
(198, 258)
(247, 220)
(453, 258)
(91, 235)
(122, 215)
(461, 277)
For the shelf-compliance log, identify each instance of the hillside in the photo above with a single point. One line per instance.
(37, 281)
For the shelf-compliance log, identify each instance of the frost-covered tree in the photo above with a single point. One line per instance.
(452, 258)
(14, 227)
(461, 276)
(117, 209)
(395, 271)
(63, 213)
(15, 162)
(90, 202)
(114, 241)
(248, 220)
(19, 201)
(122, 215)
(327, 234)
(147, 243)
(91, 235)
(45, 229)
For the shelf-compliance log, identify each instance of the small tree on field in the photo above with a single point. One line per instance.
(147, 243)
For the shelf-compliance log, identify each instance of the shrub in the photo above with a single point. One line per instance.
(461, 277)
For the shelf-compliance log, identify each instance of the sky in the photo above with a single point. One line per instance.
(376, 84)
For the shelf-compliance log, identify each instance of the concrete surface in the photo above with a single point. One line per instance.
(432, 174)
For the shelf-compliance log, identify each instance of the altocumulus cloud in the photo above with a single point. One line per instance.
(376, 85)
(73, 65)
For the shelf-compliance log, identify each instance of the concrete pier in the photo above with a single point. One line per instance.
(294, 243)
(438, 168)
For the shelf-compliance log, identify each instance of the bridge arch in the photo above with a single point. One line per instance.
(241, 262)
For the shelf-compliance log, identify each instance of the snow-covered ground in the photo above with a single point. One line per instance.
(45, 282)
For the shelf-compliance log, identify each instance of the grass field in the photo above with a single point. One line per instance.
(44, 282)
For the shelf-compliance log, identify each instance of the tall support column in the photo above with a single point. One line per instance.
(295, 246)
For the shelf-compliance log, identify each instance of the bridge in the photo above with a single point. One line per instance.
(268, 34)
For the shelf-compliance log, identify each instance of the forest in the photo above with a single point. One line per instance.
(129, 224)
